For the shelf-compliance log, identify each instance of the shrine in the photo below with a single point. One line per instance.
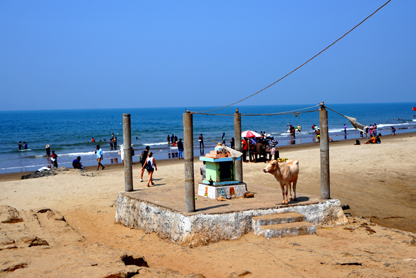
(220, 179)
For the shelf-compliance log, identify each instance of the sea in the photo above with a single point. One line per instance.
(69, 132)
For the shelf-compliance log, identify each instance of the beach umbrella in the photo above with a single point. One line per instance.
(249, 134)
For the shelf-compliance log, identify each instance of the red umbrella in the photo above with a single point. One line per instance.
(249, 134)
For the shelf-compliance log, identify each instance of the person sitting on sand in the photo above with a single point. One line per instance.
(372, 140)
(150, 166)
(76, 163)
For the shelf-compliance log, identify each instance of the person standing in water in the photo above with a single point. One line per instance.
(48, 155)
(201, 141)
(115, 143)
(20, 145)
(100, 157)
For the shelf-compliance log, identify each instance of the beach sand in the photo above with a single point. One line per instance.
(75, 213)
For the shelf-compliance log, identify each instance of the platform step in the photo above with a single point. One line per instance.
(286, 229)
(278, 218)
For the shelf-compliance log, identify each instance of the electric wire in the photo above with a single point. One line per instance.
(301, 64)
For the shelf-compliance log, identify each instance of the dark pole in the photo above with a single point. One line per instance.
(189, 161)
(237, 144)
(324, 144)
(128, 170)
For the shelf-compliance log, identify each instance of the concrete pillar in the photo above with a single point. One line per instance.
(237, 144)
(188, 134)
(128, 170)
(324, 148)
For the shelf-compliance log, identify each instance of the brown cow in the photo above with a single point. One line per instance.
(285, 174)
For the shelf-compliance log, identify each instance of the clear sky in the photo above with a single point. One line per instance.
(122, 54)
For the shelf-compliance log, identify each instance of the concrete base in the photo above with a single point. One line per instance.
(162, 211)
(227, 191)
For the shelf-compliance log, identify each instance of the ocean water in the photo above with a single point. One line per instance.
(69, 132)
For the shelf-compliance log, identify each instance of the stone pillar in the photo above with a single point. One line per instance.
(189, 161)
(128, 170)
(237, 144)
(324, 146)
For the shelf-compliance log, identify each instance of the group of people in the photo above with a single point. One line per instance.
(369, 131)
(259, 148)
(112, 141)
(22, 147)
(52, 158)
(292, 130)
(172, 140)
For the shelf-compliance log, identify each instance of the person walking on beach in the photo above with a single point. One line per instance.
(201, 141)
(142, 159)
(48, 155)
(100, 157)
(345, 129)
(54, 159)
(150, 166)
(180, 149)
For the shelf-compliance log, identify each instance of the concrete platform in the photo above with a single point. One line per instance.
(162, 210)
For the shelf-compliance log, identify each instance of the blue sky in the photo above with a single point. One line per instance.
(122, 54)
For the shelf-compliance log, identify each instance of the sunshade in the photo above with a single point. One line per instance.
(249, 134)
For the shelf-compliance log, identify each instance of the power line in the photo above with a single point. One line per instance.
(303, 63)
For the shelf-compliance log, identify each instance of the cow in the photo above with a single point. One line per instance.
(285, 174)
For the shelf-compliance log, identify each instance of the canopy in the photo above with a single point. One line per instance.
(355, 124)
(249, 134)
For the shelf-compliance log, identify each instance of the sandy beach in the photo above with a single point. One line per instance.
(74, 211)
